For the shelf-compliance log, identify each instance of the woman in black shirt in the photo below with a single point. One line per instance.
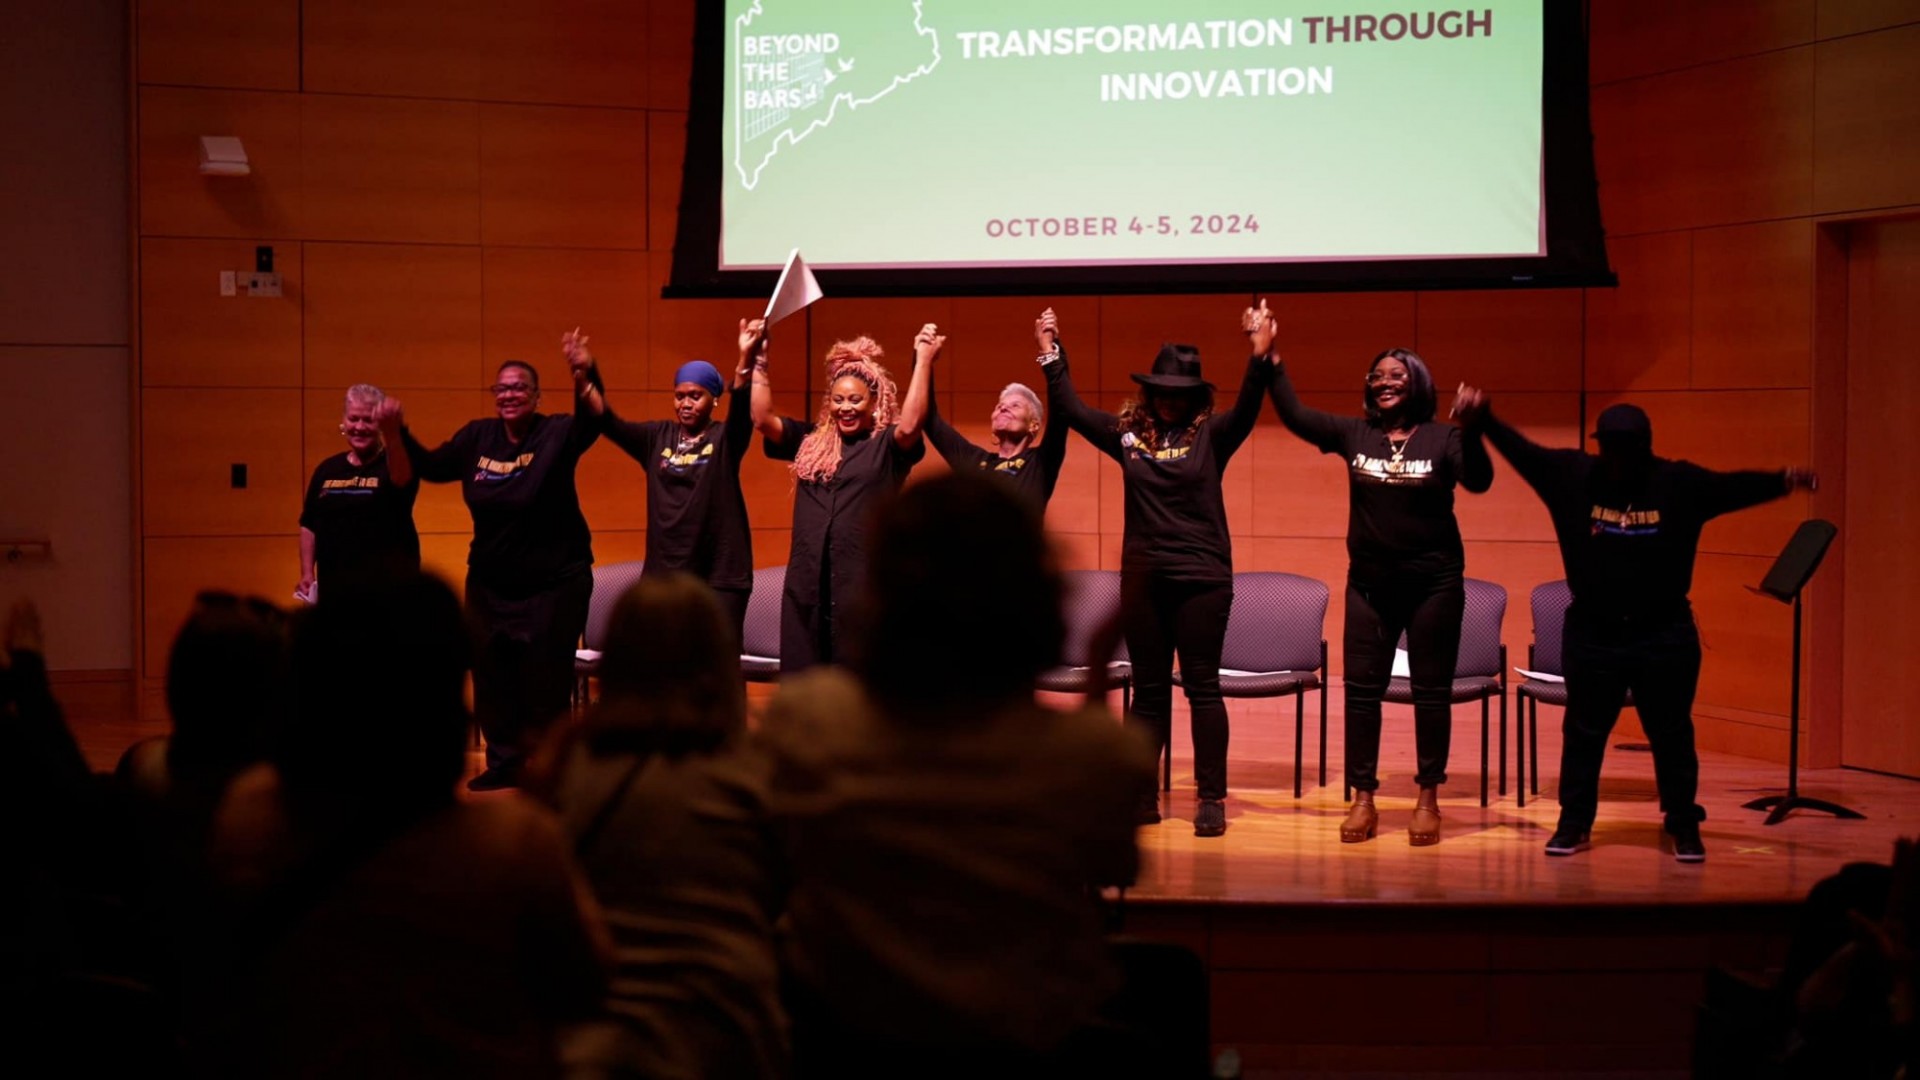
(1405, 564)
(530, 566)
(859, 449)
(1176, 562)
(696, 514)
(1021, 455)
(358, 516)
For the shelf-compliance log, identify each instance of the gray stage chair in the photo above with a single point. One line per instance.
(1091, 601)
(1549, 604)
(610, 583)
(1480, 673)
(1275, 647)
(760, 638)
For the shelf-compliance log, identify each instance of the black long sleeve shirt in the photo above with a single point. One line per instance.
(1628, 543)
(1400, 520)
(1176, 517)
(528, 531)
(830, 517)
(696, 514)
(1033, 472)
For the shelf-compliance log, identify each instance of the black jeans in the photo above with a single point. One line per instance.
(1164, 617)
(1660, 663)
(1428, 611)
(734, 603)
(523, 668)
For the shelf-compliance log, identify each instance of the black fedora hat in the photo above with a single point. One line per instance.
(1176, 368)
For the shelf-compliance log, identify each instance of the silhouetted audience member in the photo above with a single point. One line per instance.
(943, 828)
(391, 929)
(664, 796)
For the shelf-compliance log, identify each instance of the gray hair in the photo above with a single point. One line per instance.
(366, 392)
(1025, 393)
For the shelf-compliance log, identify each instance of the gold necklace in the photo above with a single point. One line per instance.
(1398, 448)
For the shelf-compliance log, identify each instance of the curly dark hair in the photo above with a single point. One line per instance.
(1137, 418)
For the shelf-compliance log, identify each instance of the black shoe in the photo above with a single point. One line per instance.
(498, 778)
(1147, 810)
(1211, 818)
(1569, 842)
(1687, 847)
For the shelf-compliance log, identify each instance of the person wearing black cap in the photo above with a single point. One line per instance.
(1021, 455)
(696, 514)
(1629, 527)
(530, 566)
(1405, 563)
(1176, 556)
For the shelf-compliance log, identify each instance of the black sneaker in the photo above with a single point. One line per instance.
(1569, 842)
(1211, 818)
(1147, 810)
(1687, 847)
(498, 778)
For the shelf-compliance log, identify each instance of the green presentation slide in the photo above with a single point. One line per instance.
(969, 133)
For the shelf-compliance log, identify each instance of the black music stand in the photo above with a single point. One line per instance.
(1790, 573)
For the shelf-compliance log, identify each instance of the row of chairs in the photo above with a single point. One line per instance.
(1273, 649)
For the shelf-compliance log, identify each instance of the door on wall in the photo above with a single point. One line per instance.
(1880, 727)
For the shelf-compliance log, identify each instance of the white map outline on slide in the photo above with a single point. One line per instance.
(740, 24)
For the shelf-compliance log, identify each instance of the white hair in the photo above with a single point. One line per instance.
(1026, 394)
(365, 392)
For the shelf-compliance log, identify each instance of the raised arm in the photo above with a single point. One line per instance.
(1053, 441)
(399, 462)
(952, 445)
(760, 408)
(740, 418)
(1097, 426)
(1229, 431)
(1471, 462)
(442, 465)
(1725, 492)
(913, 407)
(1541, 468)
(589, 394)
(1321, 429)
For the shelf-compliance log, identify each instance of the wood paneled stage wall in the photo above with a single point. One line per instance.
(447, 185)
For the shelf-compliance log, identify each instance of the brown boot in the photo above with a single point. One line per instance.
(1424, 829)
(1362, 819)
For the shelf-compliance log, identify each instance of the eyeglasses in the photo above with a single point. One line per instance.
(1375, 378)
(505, 388)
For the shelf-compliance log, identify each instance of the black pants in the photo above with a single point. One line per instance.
(523, 667)
(1428, 611)
(1661, 665)
(734, 603)
(1164, 617)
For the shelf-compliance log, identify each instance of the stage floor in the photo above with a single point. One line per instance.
(1279, 850)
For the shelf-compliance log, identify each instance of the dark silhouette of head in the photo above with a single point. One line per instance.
(226, 687)
(670, 674)
(1625, 435)
(382, 722)
(962, 602)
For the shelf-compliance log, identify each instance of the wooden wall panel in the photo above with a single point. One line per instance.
(445, 555)
(175, 200)
(1132, 329)
(534, 295)
(1753, 306)
(175, 569)
(1301, 492)
(1748, 639)
(1729, 430)
(1839, 17)
(670, 25)
(567, 52)
(399, 316)
(391, 170)
(1639, 334)
(679, 330)
(1527, 339)
(217, 43)
(991, 342)
(193, 336)
(1329, 339)
(1866, 110)
(553, 177)
(1631, 38)
(1510, 510)
(666, 151)
(189, 440)
(1713, 145)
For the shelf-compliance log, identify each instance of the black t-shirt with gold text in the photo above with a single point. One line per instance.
(359, 519)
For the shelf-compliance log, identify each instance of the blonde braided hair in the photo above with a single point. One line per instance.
(819, 456)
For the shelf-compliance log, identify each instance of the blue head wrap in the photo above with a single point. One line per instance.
(702, 374)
